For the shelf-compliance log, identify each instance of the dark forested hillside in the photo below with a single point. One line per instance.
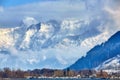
(99, 54)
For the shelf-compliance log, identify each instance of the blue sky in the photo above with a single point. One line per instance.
(9, 3)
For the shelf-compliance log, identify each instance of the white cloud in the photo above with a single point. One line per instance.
(29, 21)
(115, 14)
(42, 11)
(32, 61)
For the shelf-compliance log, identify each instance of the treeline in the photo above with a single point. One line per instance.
(8, 73)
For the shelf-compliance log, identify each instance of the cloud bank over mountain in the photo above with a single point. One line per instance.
(60, 31)
(60, 9)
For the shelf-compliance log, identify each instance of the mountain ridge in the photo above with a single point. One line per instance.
(99, 54)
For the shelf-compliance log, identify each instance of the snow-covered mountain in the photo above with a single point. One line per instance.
(36, 44)
(46, 43)
(104, 55)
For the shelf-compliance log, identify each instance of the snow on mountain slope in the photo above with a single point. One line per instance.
(6, 39)
(40, 43)
(110, 65)
(98, 39)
